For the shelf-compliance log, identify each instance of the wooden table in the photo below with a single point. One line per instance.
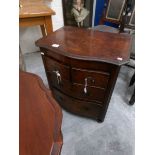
(83, 69)
(31, 14)
(40, 118)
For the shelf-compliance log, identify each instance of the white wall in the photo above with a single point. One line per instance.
(29, 35)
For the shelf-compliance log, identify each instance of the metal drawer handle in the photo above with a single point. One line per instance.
(86, 83)
(58, 75)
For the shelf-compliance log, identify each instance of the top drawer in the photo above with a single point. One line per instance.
(56, 68)
(90, 78)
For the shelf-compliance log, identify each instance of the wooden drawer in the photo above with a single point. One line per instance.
(95, 94)
(77, 106)
(63, 85)
(53, 67)
(94, 78)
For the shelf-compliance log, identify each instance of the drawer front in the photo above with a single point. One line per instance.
(90, 78)
(94, 94)
(76, 106)
(58, 70)
(63, 85)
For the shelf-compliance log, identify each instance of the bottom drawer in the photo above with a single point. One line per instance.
(78, 107)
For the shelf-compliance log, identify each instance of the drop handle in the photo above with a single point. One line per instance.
(86, 84)
(58, 76)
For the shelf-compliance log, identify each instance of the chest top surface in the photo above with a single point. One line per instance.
(89, 44)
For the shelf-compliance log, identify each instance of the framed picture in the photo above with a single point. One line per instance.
(78, 12)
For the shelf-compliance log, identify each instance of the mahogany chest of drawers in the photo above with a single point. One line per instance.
(82, 66)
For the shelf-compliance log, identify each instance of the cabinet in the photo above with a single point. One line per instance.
(83, 68)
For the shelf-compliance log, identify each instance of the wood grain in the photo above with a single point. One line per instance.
(34, 13)
(40, 118)
(89, 44)
(33, 9)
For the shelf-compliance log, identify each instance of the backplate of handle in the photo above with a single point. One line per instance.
(58, 76)
(87, 79)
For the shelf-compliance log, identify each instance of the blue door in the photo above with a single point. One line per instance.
(98, 13)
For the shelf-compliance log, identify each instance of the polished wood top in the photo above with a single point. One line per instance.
(34, 9)
(40, 118)
(88, 44)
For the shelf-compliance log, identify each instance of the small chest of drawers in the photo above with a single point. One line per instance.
(83, 68)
